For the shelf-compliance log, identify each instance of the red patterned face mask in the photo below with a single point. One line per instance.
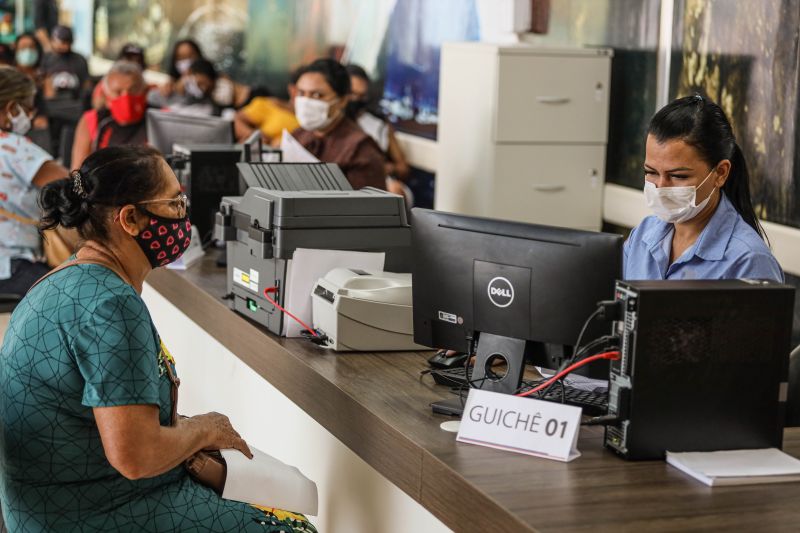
(164, 239)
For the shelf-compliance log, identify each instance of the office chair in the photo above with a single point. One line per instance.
(65, 146)
(8, 302)
(41, 138)
(793, 397)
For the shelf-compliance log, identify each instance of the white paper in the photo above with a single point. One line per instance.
(521, 425)
(294, 152)
(306, 267)
(265, 481)
(576, 381)
(737, 463)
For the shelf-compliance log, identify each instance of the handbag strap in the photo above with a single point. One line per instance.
(173, 392)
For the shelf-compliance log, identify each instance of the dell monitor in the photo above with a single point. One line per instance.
(165, 128)
(520, 285)
(207, 172)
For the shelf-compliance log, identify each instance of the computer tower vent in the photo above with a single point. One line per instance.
(681, 341)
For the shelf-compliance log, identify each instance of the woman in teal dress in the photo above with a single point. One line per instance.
(86, 442)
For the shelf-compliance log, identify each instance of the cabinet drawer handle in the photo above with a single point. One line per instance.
(549, 188)
(553, 99)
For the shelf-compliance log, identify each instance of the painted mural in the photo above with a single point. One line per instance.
(744, 55)
(416, 32)
(156, 24)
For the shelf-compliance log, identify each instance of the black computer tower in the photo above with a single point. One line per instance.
(703, 366)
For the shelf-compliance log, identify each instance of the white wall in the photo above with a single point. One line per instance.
(622, 206)
(354, 497)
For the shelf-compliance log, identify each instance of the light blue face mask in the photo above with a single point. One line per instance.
(27, 57)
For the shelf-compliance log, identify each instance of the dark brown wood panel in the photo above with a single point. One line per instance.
(378, 405)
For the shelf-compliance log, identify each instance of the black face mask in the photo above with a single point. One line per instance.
(355, 107)
(164, 239)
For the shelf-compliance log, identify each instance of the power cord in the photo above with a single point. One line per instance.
(607, 310)
(604, 343)
(613, 355)
(601, 420)
(274, 290)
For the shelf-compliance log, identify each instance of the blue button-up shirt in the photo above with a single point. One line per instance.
(727, 248)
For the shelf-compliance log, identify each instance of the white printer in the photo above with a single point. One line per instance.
(364, 311)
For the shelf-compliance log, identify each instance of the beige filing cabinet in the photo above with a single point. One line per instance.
(523, 133)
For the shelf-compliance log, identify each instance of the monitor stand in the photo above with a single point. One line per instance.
(492, 350)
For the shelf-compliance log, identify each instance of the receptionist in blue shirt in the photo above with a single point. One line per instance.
(696, 184)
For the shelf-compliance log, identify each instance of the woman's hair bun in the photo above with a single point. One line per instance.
(62, 205)
(109, 178)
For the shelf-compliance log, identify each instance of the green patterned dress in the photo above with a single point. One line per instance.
(81, 339)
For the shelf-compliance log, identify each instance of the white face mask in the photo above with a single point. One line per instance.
(312, 114)
(182, 65)
(224, 91)
(675, 204)
(192, 89)
(21, 123)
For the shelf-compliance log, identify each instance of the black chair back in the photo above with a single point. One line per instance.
(8, 302)
(793, 396)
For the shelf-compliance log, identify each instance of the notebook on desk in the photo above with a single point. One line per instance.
(737, 467)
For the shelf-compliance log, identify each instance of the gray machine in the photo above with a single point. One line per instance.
(264, 227)
(294, 176)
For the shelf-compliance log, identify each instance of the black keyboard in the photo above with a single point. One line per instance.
(593, 403)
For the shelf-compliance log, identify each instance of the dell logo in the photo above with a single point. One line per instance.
(501, 292)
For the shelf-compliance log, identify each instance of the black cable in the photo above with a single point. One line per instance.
(472, 385)
(606, 341)
(577, 349)
(584, 352)
(467, 374)
(207, 240)
(601, 420)
(594, 315)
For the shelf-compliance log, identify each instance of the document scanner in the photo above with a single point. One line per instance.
(263, 228)
(355, 310)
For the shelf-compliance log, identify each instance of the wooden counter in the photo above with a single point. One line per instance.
(378, 406)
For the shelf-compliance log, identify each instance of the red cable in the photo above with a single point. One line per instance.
(280, 307)
(605, 355)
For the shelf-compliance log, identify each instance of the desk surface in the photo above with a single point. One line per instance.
(378, 405)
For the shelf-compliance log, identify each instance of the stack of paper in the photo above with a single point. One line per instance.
(304, 270)
(266, 481)
(737, 467)
(294, 152)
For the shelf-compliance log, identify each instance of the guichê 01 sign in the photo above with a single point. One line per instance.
(522, 425)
